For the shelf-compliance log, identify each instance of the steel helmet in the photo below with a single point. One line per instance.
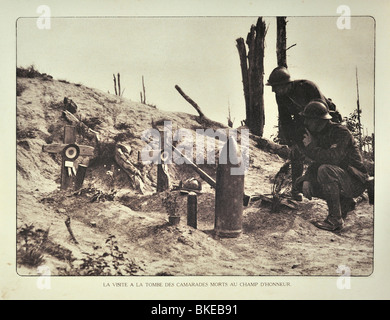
(279, 75)
(316, 109)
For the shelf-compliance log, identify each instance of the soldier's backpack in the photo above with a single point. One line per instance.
(335, 114)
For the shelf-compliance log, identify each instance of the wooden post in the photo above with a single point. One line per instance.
(162, 169)
(116, 92)
(192, 210)
(144, 91)
(80, 176)
(230, 121)
(69, 138)
(162, 178)
(119, 84)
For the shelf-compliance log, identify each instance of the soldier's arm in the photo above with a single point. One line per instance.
(310, 173)
(341, 139)
(285, 119)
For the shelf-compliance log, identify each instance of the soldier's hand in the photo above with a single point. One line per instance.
(307, 190)
(307, 138)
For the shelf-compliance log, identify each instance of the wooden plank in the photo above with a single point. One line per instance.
(53, 148)
(58, 147)
(69, 134)
(202, 173)
(86, 151)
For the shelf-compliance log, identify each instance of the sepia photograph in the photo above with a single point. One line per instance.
(128, 130)
(190, 154)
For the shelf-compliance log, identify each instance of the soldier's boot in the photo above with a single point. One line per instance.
(296, 195)
(347, 205)
(334, 220)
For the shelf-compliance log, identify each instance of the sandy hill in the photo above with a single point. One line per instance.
(116, 227)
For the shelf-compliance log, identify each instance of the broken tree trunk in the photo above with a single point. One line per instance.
(244, 73)
(67, 223)
(255, 41)
(119, 84)
(203, 120)
(252, 70)
(190, 101)
(281, 56)
(281, 41)
(144, 91)
(116, 91)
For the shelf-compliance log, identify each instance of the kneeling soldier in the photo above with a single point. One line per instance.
(337, 173)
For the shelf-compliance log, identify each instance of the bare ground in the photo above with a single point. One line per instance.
(282, 243)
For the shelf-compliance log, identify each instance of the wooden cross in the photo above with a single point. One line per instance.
(70, 151)
(163, 179)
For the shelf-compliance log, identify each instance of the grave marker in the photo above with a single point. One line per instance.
(70, 151)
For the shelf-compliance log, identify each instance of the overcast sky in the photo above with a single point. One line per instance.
(199, 54)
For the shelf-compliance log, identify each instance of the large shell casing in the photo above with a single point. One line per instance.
(229, 193)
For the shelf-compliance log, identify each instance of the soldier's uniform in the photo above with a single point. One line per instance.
(290, 107)
(336, 158)
(292, 104)
(337, 173)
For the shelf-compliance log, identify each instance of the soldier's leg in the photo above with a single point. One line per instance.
(352, 186)
(333, 180)
(347, 204)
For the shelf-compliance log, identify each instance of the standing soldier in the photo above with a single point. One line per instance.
(291, 97)
(337, 173)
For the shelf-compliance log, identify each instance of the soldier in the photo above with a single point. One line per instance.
(291, 97)
(337, 173)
